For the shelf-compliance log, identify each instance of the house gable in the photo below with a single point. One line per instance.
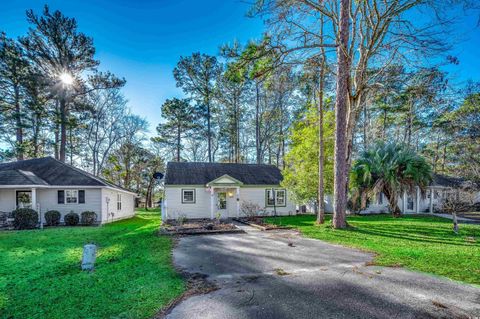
(225, 180)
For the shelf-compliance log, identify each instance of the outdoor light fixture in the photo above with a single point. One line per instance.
(230, 194)
(66, 78)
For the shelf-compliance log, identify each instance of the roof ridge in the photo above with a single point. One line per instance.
(81, 171)
(90, 175)
(221, 163)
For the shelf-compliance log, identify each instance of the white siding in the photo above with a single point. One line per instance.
(110, 212)
(202, 207)
(95, 200)
(175, 208)
(257, 195)
(48, 200)
(7, 200)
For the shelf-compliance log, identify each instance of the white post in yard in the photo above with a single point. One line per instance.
(417, 208)
(40, 215)
(34, 198)
(431, 200)
(164, 210)
(404, 202)
(238, 201)
(212, 202)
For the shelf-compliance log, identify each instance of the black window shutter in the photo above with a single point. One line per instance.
(81, 196)
(61, 197)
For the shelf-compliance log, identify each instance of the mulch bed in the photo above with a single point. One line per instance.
(259, 222)
(198, 227)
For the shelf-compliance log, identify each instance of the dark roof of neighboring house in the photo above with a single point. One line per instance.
(196, 173)
(19, 177)
(452, 182)
(48, 171)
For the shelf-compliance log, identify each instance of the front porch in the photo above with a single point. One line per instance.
(12, 198)
(224, 197)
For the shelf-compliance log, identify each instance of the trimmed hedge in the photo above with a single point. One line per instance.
(25, 218)
(52, 217)
(88, 218)
(71, 219)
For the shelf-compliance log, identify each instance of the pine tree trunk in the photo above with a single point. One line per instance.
(36, 134)
(178, 144)
(63, 130)
(57, 130)
(321, 157)
(18, 124)
(365, 126)
(257, 122)
(321, 141)
(341, 107)
(209, 128)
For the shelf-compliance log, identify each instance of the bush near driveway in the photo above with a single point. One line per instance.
(40, 274)
(422, 243)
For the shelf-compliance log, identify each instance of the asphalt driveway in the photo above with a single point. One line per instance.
(282, 275)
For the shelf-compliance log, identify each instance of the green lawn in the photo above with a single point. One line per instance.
(40, 274)
(425, 244)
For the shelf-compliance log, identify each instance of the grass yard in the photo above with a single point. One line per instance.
(425, 244)
(40, 274)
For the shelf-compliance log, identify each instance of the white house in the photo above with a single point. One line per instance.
(204, 190)
(440, 188)
(47, 184)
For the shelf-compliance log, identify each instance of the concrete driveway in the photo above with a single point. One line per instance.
(282, 275)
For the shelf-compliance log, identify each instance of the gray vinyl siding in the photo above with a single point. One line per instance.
(110, 212)
(7, 200)
(48, 200)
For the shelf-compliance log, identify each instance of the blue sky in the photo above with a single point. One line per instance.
(142, 40)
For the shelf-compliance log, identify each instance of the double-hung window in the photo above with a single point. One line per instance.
(71, 196)
(280, 198)
(188, 196)
(119, 201)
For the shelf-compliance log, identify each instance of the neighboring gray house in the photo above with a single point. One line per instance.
(203, 190)
(47, 184)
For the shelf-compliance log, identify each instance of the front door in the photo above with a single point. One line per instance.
(24, 199)
(222, 204)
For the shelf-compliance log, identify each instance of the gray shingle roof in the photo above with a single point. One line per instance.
(453, 182)
(19, 177)
(195, 173)
(47, 171)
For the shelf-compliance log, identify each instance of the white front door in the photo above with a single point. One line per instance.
(221, 205)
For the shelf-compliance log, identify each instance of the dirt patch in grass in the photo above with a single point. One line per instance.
(197, 284)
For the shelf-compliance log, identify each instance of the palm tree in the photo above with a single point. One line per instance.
(391, 169)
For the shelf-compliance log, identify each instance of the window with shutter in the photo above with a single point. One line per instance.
(61, 197)
(81, 196)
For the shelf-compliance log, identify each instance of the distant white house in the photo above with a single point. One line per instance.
(414, 203)
(47, 184)
(205, 190)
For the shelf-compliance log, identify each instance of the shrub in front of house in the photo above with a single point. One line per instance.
(52, 217)
(25, 218)
(88, 218)
(71, 219)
